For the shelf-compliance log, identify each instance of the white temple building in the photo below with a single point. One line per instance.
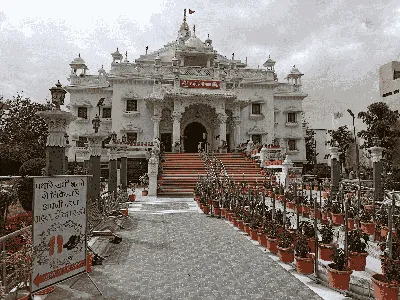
(186, 93)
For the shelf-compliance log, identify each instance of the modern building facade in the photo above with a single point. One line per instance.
(186, 93)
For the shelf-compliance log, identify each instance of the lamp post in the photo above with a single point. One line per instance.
(57, 122)
(112, 174)
(95, 146)
(355, 142)
(376, 156)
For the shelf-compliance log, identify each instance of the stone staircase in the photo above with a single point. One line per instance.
(182, 170)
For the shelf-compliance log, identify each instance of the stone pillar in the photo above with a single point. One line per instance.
(124, 170)
(376, 157)
(222, 127)
(57, 122)
(112, 169)
(335, 170)
(153, 172)
(95, 146)
(176, 129)
(237, 131)
(287, 164)
(156, 130)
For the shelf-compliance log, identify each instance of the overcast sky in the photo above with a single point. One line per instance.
(337, 44)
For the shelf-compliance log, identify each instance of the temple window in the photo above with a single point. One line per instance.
(82, 112)
(131, 105)
(256, 108)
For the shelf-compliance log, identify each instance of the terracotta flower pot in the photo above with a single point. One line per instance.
(368, 228)
(246, 228)
(337, 219)
(217, 211)
(305, 210)
(223, 212)
(214, 203)
(235, 222)
(357, 261)
(308, 187)
(262, 239)
(326, 251)
(233, 219)
(384, 290)
(145, 193)
(132, 197)
(338, 279)
(124, 211)
(206, 209)
(368, 208)
(240, 224)
(286, 255)
(253, 234)
(290, 205)
(350, 224)
(384, 231)
(312, 213)
(21, 295)
(89, 262)
(325, 194)
(311, 244)
(272, 244)
(305, 265)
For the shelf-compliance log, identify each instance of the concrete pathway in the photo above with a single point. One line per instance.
(172, 251)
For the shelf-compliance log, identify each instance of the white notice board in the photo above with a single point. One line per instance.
(59, 229)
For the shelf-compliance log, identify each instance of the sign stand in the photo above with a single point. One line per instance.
(91, 279)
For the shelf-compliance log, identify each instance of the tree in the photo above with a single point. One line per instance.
(23, 134)
(380, 121)
(342, 137)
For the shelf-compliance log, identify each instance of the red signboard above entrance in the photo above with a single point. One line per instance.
(200, 84)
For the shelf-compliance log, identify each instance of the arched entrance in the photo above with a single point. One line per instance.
(193, 135)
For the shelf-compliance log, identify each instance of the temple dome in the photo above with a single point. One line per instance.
(78, 61)
(195, 42)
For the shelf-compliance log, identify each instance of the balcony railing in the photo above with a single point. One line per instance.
(88, 80)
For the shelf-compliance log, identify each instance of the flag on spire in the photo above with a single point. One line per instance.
(191, 11)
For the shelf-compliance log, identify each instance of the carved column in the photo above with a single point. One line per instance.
(176, 129)
(222, 127)
(263, 156)
(95, 146)
(156, 130)
(57, 122)
(112, 168)
(153, 172)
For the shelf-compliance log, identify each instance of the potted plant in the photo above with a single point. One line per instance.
(285, 247)
(307, 229)
(367, 225)
(312, 213)
(337, 214)
(272, 236)
(357, 244)
(326, 247)
(177, 146)
(304, 259)
(144, 180)
(338, 272)
(386, 286)
(132, 193)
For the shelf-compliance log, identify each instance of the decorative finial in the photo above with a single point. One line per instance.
(294, 66)
(126, 54)
(194, 29)
(208, 35)
(269, 56)
(147, 48)
(79, 55)
(102, 66)
(184, 15)
(233, 56)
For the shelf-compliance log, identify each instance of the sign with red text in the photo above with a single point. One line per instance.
(273, 162)
(200, 84)
(59, 229)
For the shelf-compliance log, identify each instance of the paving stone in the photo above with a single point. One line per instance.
(185, 256)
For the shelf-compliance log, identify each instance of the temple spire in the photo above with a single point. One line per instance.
(194, 30)
(184, 15)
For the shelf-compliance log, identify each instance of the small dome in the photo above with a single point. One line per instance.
(195, 42)
(116, 54)
(78, 61)
(269, 62)
(295, 70)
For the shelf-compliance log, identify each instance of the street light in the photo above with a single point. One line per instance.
(58, 95)
(353, 116)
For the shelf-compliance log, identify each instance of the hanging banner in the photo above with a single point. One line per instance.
(59, 229)
(204, 84)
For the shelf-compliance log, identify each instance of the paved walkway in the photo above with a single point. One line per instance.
(171, 251)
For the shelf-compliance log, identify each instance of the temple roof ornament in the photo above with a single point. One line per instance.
(295, 72)
(194, 42)
(269, 62)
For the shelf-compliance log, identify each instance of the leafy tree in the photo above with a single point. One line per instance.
(342, 137)
(380, 121)
(23, 133)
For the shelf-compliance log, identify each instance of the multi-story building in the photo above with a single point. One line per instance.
(186, 93)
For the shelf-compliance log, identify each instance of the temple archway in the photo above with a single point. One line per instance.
(193, 134)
